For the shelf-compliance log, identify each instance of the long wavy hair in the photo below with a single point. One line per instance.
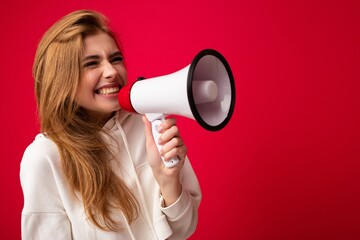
(85, 157)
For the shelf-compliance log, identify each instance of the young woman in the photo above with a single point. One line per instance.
(95, 172)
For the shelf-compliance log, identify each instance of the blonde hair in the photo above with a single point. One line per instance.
(83, 152)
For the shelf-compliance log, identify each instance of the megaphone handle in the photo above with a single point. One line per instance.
(155, 123)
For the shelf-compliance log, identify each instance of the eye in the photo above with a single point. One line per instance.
(117, 59)
(90, 64)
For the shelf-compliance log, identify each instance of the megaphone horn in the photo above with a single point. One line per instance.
(204, 90)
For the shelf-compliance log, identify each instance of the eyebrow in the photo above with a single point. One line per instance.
(96, 57)
(115, 54)
(91, 57)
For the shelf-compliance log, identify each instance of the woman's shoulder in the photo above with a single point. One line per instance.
(40, 178)
(42, 144)
(41, 151)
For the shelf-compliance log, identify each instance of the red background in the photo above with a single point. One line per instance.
(287, 165)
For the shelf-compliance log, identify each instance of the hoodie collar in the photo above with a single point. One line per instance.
(120, 117)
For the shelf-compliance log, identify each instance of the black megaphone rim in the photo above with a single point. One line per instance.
(192, 104)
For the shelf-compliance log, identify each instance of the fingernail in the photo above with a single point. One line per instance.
(159, 129)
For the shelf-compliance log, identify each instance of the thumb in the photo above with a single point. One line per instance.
(150, 142)
(148, 131)
(151, 148)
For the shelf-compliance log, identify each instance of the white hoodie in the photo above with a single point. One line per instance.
(51, 211)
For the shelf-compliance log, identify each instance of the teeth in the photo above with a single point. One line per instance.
(110, 90)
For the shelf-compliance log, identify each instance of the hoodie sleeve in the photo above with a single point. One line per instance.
(43, 215)
(182, 215)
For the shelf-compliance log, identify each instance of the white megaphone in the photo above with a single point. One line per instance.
(204, 90)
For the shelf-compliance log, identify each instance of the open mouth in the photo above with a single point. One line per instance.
(108, 90)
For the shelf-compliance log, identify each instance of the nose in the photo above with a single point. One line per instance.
(109, 71)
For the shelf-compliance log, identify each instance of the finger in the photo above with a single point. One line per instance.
(173, 143)
(168, 123)
(167, 135)
(180, 153)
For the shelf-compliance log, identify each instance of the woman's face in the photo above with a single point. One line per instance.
(103, 74)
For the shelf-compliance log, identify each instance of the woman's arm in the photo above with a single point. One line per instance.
(43, 215)
(180, 190)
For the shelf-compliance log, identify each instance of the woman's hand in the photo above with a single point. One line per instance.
(172, 146)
